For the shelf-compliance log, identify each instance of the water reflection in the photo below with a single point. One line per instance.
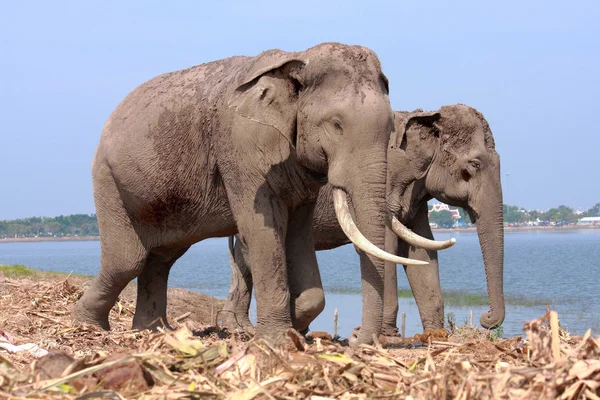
(560, 266)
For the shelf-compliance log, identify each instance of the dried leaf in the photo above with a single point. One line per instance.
(336, 358)
(584, 368)
(181, 340)
(255, 389)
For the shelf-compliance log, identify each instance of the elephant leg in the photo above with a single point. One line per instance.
(306, 290)
(262, 227)
(425, 280)
(151, 306)
(235, 314)
(390, 288)
(119, 267)
(122, 255)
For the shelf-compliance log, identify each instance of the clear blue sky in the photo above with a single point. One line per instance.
(531, 67)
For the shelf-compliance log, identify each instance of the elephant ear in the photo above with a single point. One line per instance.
(267, 92)
(416, 117)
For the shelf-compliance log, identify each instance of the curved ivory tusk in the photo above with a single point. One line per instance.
(342, 212)
(419, 241)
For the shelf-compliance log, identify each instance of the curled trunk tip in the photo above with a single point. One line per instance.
(491, 320)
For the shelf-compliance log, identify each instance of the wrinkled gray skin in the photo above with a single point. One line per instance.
(448, 155)
(241, 146)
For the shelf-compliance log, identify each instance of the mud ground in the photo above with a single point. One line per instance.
(200, 360)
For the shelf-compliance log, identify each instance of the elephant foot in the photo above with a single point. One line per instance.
(304, 332)
(386, 337)
(360, 336)
(293, 341)
(152, 325)
(288, 339)
(235, 322)
(84, 315)
(353, 340)
(390, 331)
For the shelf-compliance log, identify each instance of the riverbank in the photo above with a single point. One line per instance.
(199, 360)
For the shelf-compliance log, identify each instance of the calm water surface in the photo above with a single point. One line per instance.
(561, 267)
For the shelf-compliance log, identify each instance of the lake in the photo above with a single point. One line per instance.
(559, 267)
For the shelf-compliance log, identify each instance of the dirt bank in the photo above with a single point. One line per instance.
(27, 301)
(196, 361)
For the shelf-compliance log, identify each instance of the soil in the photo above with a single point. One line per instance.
(37, 310)
(199, 359)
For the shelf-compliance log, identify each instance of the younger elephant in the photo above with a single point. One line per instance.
(242, 146)
(448, 155)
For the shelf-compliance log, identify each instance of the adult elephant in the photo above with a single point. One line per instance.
(448, 155)
(242, 146)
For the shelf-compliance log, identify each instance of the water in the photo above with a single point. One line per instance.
(559, 266)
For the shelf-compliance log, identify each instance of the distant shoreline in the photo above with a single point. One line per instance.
(52, 239)
(522, 228)
(469, 229)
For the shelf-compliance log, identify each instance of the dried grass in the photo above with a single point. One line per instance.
(547, 363)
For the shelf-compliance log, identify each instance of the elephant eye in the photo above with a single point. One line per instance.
(471, 169)
(337, 125)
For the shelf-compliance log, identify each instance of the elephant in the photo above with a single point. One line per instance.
(242, 146)
(447, 154)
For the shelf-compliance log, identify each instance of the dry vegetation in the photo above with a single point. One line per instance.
(200, 362)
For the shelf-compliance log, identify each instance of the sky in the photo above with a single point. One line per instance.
(532, 68)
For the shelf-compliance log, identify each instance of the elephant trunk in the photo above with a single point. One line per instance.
(371, 212)
(490, 229)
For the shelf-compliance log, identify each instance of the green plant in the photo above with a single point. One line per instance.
(451, 320)
(21, 271)
(497, 333)
(405, 293)
(16, 270)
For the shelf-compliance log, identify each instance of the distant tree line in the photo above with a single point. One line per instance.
(558, 215)
(514, 215)
(87, 225)
(63, 225)
(443, 219)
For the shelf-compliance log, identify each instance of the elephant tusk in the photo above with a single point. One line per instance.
(419, 241)
(342, 212)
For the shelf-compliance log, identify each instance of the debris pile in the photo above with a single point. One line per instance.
(194, 362)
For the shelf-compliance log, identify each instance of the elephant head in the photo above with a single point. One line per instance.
(331, 104)
(450, 155)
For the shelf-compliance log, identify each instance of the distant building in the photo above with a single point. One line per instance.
(444, 207)
(589, 221)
